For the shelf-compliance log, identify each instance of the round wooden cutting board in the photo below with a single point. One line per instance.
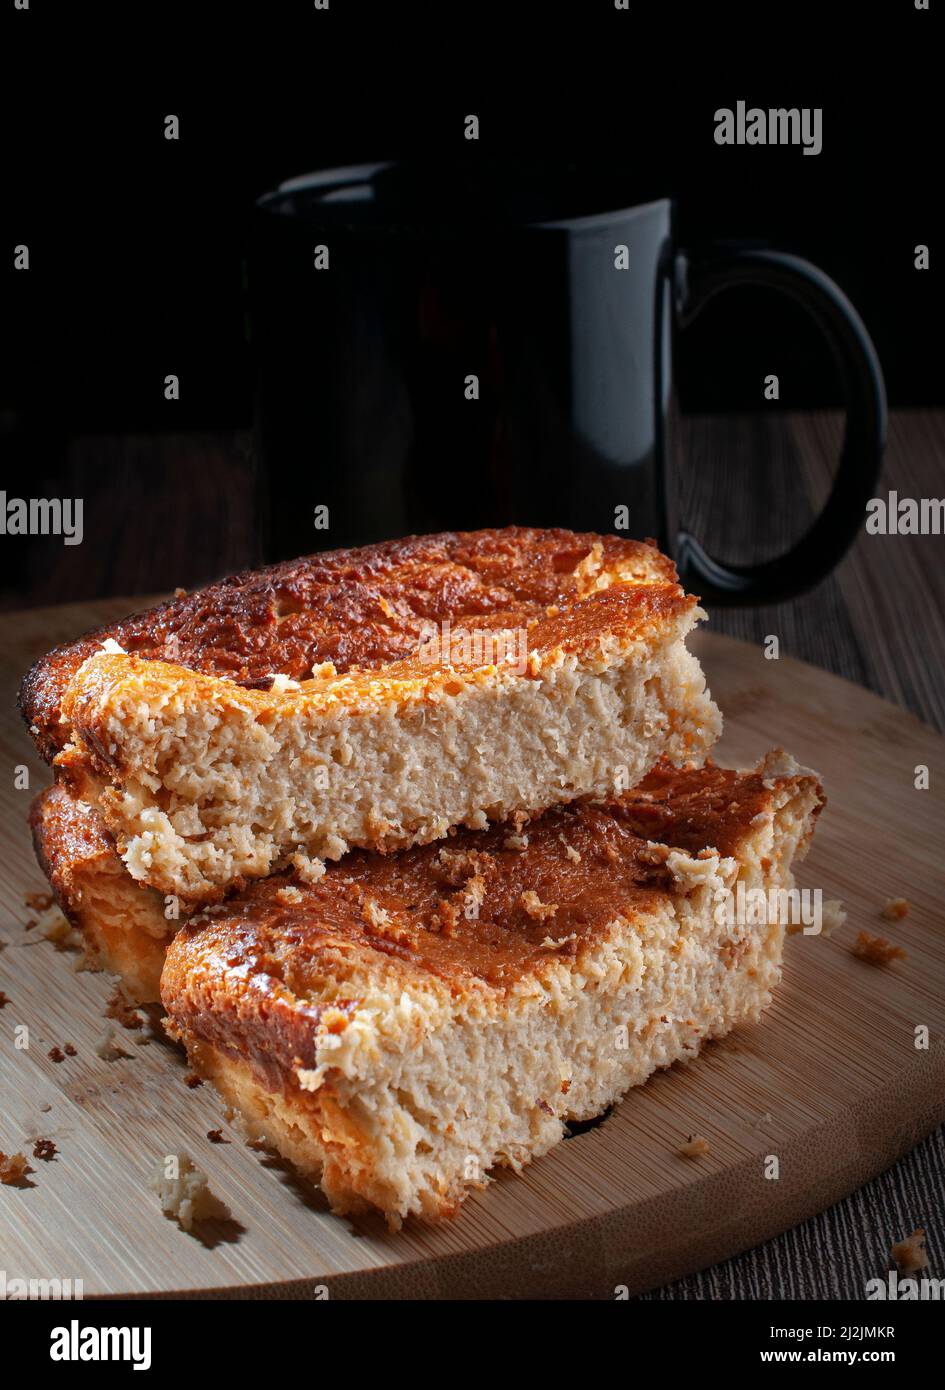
(832, 1083)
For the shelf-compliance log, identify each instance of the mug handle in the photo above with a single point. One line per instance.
(816, 553)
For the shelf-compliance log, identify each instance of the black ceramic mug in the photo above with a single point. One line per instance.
(473, 345)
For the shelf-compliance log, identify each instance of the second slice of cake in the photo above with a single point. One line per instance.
(411, 1021)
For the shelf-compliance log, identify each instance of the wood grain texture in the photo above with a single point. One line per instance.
(834, 1066)
(751, 485)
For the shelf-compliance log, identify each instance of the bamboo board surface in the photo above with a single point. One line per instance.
(831, 1082)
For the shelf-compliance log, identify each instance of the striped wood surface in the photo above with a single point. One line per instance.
(834, 1066)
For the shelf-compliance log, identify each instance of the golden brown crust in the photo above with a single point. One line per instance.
(625, 612)
(364, 609)
(257, 976)
(694, 808)
(404, 915)
(69, 839)
(122, 923)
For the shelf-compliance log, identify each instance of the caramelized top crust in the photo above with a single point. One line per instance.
(68, 837)
(692, 809)
(590, 630)
(358, 609)
(71, 841)
(258, 974)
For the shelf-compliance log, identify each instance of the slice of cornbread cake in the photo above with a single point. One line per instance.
(374, 698)
(408, 1022)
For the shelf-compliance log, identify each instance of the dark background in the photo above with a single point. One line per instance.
(136, 242)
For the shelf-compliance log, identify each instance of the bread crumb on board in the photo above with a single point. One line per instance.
(56, 927)
(910, 1254)
(109, 1047)
(44, 1149)
(122, 1011)
(695, 1147)
(186, 1194)
(13, 1169)
(832, 915)
(895, 909)
(876, 949)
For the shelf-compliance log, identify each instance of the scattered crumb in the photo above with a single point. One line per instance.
(187, 1197)
(39, 902)
(308, 870)
(694, 1147)
(550, 944)
(473, 897)
(910, 1254)
(180, 593)
(109, 1048)
(122, 1011)
(13, 1169)
(56, 1054)
(216, 1136)
(377, 916)
(832, 915)
(288, 895)
(193, 1081)
(456, 867)
(516, 842)
(281, 683)
(4, 1001)
(44, 1149)
(45, 1107)
(534, 906)
(876, 949)
(323, 670)
(570, 851)
(446, 916)
(57, 928)
(896, 909)
(69, 1050)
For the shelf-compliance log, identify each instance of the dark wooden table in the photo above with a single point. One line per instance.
(752, 485)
